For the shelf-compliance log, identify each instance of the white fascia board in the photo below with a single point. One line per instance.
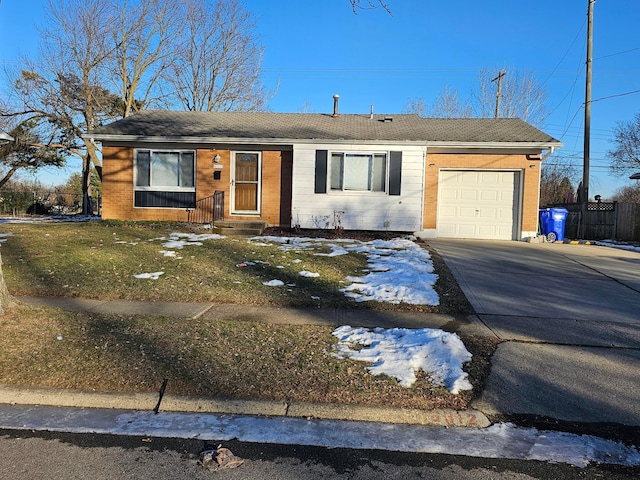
(434, 146)
(457, 146)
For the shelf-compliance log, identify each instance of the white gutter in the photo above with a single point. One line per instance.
(291, 141)
(548, 154)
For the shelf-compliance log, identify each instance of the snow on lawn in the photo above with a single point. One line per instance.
(399, 270)
(150, 276)
(181, 240)
(401, 352)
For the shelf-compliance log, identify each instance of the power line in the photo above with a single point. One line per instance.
(616, 95)
(618, 53)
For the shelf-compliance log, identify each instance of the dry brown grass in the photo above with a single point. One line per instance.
(43, 347)
(221, 359)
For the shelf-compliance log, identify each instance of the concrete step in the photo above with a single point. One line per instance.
(239, 227)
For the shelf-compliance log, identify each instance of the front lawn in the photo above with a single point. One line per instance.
(223, 359)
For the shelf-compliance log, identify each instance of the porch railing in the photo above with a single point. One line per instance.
(208, 210)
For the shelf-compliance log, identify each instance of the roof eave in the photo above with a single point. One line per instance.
(290, 141)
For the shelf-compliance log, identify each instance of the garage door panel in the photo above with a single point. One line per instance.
(467, 212)
(489, 213)
(468, 195)
(490, 195)
(478, 204)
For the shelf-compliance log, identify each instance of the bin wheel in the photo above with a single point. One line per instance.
(551, 237)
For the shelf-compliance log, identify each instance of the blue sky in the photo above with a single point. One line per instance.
(315, 49)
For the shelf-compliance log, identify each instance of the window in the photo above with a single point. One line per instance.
(366, 172)
(165, 170)
(358, 172)
(164, 179)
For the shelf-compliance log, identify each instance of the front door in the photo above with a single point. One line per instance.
(245, 183)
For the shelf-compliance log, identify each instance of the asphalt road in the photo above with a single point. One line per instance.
(51, 456)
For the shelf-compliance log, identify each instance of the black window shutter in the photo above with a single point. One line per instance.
(321, 172)
(395, 173)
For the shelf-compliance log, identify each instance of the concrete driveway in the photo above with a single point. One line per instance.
(570, 318)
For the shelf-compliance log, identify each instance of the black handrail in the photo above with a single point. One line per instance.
(208, 210)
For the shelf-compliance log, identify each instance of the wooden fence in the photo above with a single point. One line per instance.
(617, 221)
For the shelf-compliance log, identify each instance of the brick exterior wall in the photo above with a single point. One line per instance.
(530, 183)
(117, 187)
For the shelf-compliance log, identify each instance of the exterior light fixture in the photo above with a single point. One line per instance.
(216, 159)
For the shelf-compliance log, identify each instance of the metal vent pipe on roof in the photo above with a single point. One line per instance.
(335, 105)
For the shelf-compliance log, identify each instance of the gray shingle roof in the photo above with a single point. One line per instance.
(273, 127)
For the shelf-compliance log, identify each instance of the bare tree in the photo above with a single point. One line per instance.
(449, 105)
(556, 182)
(5, 299)
(446, 105)
(218, 64)
(369, 5)
(62, 92)
(625, 157)
(144, 37)
(105, 59)
(627, 194)
(521, 96)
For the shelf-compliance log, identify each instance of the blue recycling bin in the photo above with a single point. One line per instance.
(552, 221)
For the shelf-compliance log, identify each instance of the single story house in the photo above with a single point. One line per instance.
(437, 177)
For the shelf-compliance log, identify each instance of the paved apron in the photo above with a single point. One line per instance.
(571, 318)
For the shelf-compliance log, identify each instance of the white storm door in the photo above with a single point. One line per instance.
(245, 183)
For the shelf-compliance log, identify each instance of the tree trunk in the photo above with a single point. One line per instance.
(5, 299)
(87, 208)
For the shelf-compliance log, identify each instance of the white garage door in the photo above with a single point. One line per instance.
(478, 204)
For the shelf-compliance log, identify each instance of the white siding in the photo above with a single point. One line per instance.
(362, 210)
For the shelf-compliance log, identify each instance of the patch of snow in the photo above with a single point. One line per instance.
(304, 273)
(274, 283)
(150, 276)
(399, 269)
(622, 246)
(181, 240)
(401, 352)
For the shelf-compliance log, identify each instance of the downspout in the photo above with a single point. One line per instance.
(548, 154)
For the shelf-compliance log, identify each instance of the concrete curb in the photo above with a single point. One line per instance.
(173, 403)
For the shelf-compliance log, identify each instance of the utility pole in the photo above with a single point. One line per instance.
(499, 93)
(587, 119)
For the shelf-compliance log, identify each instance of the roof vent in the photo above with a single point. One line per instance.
(371, 114)
(335, 105)
(387, 118)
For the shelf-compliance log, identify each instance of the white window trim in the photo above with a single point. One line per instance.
(342, 191)
(163, 188)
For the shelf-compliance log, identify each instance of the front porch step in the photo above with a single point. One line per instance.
(240, 227)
